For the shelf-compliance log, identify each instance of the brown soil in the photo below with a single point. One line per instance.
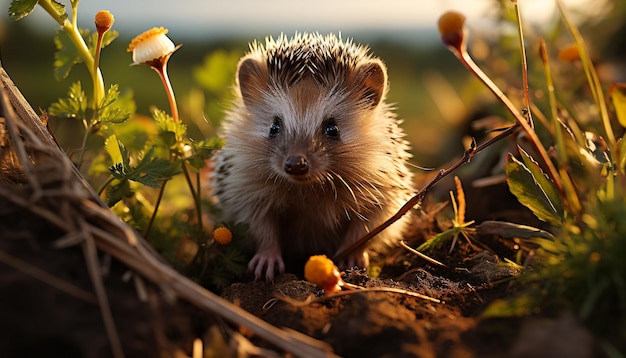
(371, 323)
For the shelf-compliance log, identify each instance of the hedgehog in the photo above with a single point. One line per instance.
(313, 156)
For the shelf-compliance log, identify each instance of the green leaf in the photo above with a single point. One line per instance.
(621, 154)
(92, 40)
(19, 9)
(150, 170)
(437, 240)
(60, 9)
(74, 106)
(531, 188)
(542, 180)
(66, 56)
(617, 93)
(112, 110)
(510, 230)
(169, 131)
(203, 150)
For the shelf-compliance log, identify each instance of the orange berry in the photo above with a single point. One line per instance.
(222, 235)
(569, 53)
(321, 271)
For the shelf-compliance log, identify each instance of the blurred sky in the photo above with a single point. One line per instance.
(209, 19)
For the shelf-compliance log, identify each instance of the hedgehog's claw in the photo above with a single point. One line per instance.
(266, 260)
(358, 258)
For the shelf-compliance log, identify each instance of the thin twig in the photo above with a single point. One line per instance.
(361, 290)
(156, 209)
(417, 198)
(425, 257)
(91, 259)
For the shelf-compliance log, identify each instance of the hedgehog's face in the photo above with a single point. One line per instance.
(303, 132)
(312, 132)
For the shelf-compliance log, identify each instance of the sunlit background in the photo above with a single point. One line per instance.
(209, 20)
(428, 86)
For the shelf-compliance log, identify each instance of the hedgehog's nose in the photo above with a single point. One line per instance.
(296, 165)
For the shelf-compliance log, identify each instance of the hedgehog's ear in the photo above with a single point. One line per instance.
(252, 78)
(372, 76)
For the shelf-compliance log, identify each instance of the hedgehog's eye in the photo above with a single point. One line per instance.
(276, 126)
(330, 128)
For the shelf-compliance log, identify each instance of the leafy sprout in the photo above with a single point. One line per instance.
(161, 151)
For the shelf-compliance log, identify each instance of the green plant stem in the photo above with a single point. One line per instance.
(105, 185)
(74, 5)
(610, 182)
(592, 77)
(96, 68)
(522, 47)
(154, 212)
(81, 153)
(196, 199)
(558, 134)
(47, 5)
(72, 32)
(198, 203)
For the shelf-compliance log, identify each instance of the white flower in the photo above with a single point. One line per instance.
(151, 45)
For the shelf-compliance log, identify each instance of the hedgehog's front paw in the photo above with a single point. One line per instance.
(266, 259)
